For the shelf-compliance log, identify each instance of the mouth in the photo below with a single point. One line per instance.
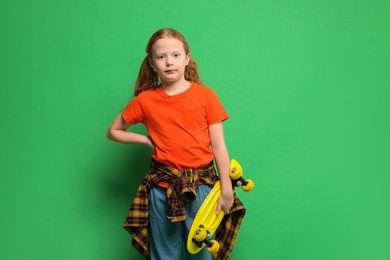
(169, 71)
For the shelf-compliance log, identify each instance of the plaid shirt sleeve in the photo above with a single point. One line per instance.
(227, 231)
(137, 220)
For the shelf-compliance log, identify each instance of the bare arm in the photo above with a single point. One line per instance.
(118, 132)
(225, 201)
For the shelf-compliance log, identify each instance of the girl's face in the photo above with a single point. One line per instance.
(169, 59)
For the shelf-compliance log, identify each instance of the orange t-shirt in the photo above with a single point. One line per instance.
(178, 124)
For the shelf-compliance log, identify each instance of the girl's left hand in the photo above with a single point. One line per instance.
(225, 201)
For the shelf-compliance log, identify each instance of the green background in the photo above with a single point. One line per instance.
(306, 84)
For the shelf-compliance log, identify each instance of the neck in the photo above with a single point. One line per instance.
(177, 87)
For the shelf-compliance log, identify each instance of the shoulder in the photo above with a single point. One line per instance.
(203, 90)
(145, 95)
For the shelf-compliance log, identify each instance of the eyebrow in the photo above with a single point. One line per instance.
(165, 53)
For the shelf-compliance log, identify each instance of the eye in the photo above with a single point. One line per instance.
(160, 57)
(176, 55)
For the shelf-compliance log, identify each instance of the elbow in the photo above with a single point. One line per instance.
(109, 134)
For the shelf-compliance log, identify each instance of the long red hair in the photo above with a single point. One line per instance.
(148, 78)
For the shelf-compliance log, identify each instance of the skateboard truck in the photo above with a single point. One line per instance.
(203, 236)
(237, 179)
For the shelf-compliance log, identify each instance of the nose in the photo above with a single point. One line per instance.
(168, 61)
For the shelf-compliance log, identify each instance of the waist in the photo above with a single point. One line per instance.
(164, 174)
(165, 184)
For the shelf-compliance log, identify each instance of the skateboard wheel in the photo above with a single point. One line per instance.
(235, 174)
(200, 234)
(214, 247)
(248, 186)
(235, 170)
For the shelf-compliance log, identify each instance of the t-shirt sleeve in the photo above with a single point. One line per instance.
(132, 113)
(215, 110)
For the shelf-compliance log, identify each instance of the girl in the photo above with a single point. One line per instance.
(183, 119)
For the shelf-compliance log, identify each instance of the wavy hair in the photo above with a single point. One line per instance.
(148, 78)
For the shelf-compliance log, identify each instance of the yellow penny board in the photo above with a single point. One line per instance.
(206, 220)
(207, 217)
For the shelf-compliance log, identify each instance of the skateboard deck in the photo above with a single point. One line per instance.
(206, 220)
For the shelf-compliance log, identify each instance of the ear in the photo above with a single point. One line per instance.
(188, 57)
(151, 64)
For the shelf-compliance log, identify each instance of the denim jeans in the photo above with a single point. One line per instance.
(167, 239)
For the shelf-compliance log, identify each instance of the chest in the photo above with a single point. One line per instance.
(184, 112)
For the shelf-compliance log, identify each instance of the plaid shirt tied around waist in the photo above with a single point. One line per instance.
(182, 186)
